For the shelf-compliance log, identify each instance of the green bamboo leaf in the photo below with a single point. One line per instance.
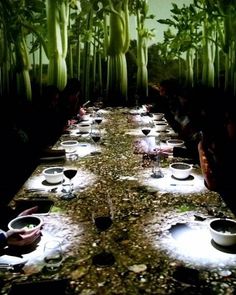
(166, 22)
(192, 9)
(175, 9)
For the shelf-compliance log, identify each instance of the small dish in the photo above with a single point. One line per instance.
(175, 142)
(84, 127)
(161, 126)
(223, 231)
(180, 170)
(69, 145)
(53, 174)
(85, 117)
(157, 116)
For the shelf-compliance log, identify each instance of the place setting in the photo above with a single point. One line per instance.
(176, 177)
(49, 180)
(46, 254)
(75, 149)
(209, 242)
(61, 181)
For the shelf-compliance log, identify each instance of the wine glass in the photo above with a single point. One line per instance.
(98, 119)
(96, 137)
(70, 174)
(146, 130)
(97, 105)
(102, 214)
(52, 255)
(146, 126)
(102, 217)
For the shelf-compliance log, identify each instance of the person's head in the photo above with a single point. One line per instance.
(51, 95)
(73, 87)
(71, 96)
(168, 87)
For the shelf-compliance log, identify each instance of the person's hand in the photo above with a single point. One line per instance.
(82, 112)
(22, 237)
(29, 211)
(71, 122)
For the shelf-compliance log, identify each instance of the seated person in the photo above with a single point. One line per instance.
(70, 99)
(217, 150)
(50, 119)
(18, 157)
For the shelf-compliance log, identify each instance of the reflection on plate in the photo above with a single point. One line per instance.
(190, 177)
(44, 182)
(82, 132)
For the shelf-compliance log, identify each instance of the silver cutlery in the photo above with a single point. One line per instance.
(12, 267)
(181, 184)
(35, 190)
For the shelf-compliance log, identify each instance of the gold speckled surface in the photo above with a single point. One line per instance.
(147, 257)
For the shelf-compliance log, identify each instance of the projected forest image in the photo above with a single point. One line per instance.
(111, 48)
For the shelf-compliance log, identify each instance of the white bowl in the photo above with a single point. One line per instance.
(26, 222)
(69, 145)
(85, 117)
(161, 126)
(175, 142)
(84, 127)
(134, 112)
(53, 174)
(223, 231)
(157, 116)
(180, 170)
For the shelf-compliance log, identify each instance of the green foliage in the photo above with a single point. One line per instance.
(161, 66)
(185, 208)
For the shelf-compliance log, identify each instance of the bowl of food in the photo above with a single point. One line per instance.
(84, 127)
(157, 116)
(27, 222)
(175, 142)
(223, 231)
(69, 145)
(53, 174)
(180, 170)
(161, 126)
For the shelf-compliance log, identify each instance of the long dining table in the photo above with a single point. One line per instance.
(157, 240)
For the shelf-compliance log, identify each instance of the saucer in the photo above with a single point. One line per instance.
(190, 177)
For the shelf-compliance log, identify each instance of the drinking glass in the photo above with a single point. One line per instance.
(70, 174)
(102, 214)
(102, 217)
(146, 126)
(156, 160)
(156, 167)
(146, 130)
(98, 120)
(53, 255)
(96, 137)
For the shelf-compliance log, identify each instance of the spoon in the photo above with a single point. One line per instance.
(34, 190)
